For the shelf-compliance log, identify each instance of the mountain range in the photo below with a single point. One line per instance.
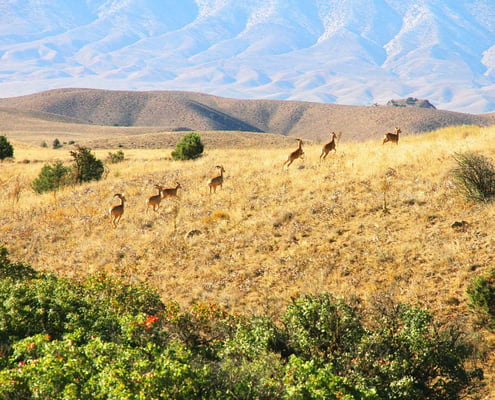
(351, 52)
(115, 113)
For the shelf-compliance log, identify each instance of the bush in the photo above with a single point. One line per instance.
(6, 149)
(190, 147)
(56, 144)
(322, 327)
(114, 158)
(52, 177)
(408, 356)
(87, 167)
(481, 293)
(474, 176)
(102, 338)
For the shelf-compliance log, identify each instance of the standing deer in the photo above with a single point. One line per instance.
(298, 153)
(217, 180)
(327, 148)
(154, 201)
(116, 211)
(392, 137)
(171, 192)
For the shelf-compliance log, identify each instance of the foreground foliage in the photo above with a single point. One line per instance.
(102, 338)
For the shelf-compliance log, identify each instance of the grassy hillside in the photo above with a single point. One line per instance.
(369, 220)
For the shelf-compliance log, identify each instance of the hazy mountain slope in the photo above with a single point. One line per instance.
(349, 52)
(172, 111)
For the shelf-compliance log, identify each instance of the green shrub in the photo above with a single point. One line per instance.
(86, 166)
(306, 380)
(481, 293)
(322, 327)
(6, 149)
(102, 338)
(406, 355)
(117, 157)
(474, 176)
(56, 144)
(13, 270)
(190, 147)
(52, 177)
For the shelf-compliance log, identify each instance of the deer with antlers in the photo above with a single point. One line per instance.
(116, 211)
(298, 153)
(392, 137)
(327, 148)
(217, 180)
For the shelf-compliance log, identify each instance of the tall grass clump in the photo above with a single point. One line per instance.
(474, 176)
(189, 148)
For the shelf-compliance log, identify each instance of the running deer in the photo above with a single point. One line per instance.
(392, 137)
(217, 180)
(116, 211)
(154, 201)
(327, 148)
(298, 153)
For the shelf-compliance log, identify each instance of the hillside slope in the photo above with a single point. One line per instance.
(176, 111)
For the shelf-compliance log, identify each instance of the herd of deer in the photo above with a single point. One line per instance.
(154, 201)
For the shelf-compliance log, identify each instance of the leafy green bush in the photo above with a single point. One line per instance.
(190, 147)
(102, 338)
(406, 355)
(481, 293)
(52, 177)
(86, 166)
(6, 149)
(474, 176)
(322, 327)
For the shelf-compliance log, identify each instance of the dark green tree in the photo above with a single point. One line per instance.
(87, 167)
(56, 144)
(52, 177)
(6, 149)
(189, 148)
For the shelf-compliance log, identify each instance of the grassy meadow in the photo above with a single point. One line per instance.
(371, 219)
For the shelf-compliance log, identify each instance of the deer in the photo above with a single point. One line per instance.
(327, 148)
(217, 180)
(392, 137)
(154, 201)
(116, 211)
(170, 192)
(298, 153)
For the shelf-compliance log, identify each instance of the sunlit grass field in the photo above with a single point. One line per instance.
(370, 219)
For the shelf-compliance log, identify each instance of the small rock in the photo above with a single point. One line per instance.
(192, 233)
(459, 224)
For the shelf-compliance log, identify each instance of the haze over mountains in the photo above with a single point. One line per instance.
(354, 52)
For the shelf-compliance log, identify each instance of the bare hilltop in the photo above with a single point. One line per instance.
(107, 114)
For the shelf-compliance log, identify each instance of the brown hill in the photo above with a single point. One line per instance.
(182, 111)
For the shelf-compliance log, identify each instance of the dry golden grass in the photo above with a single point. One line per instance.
(369, 219)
